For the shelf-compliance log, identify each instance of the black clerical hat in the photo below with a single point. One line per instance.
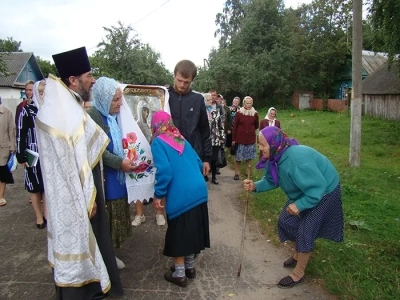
(72, 63)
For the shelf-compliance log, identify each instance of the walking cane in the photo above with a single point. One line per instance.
(246, 205)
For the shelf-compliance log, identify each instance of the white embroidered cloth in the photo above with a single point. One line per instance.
(139, 184)
(73, 145)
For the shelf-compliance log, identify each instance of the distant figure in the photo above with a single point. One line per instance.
(217, 134)
(218, 100)
(26, 140)
(7, 139)
(232, 110)
(27, 100)
(86, 105)
(244, 135)
(269, 120)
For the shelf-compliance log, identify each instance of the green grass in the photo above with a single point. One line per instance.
(367, 264)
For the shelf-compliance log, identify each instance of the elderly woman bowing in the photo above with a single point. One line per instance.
(314, 206)
(107, 101)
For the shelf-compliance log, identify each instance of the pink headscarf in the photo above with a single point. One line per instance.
(163, 127)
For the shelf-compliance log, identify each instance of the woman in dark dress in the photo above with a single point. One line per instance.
(27, 140)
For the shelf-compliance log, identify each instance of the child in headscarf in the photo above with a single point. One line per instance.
(314, 206)
(180, 181)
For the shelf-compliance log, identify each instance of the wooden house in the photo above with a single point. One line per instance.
(22, 66)
(371, 61)
(381, 93)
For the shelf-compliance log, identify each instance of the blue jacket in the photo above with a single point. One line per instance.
(179, 178)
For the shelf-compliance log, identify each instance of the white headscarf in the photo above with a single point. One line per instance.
(267, 115)
(36, 99)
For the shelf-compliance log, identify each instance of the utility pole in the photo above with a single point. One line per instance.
(355, 127)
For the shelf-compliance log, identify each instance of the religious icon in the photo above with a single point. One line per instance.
(143, 102)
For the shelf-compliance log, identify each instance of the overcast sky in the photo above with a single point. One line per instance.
(177, 29)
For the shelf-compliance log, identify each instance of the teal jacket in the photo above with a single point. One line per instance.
(304, 174)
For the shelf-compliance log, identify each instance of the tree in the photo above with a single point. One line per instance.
(46, 67)
(9, 45)
(385, 20)
(268, 51)
(122, 56)
(229, 21)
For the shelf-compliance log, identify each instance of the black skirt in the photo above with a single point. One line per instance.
(215, 152)
(228, 142)
(6, 175)
(33, 179)
(188, 233)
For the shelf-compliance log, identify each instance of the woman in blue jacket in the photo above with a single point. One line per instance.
(180, 181)
(311, 183)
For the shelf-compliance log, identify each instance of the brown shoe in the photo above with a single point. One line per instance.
(190, 273)
(180, 281)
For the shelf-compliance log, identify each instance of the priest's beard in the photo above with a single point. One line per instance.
(85, 94)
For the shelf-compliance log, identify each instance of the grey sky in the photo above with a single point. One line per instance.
(179, 29)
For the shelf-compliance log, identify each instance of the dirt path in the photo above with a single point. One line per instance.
(26, 274)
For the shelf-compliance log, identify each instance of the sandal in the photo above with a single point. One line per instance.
(3, 202)
(236, 177)
(290, 263)
(288, 282)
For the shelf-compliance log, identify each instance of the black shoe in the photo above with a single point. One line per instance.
(206, 178)
(180, 281)
(290, 263)
(288, 282)
(190, 273)
(218, 172)
(41, 226)
(215, 181)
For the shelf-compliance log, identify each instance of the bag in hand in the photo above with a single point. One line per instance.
(12, 162)
(233, 149)
(221, 161)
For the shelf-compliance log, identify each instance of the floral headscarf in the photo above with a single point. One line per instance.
(163, 127)
(278, 142)
(103, 93)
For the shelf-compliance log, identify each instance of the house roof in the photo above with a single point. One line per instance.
(383, 81)
(372, 60)
(15, 62)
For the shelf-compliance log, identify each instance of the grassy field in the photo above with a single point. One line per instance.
(367, 264)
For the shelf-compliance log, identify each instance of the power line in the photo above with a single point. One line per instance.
(150, 13)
